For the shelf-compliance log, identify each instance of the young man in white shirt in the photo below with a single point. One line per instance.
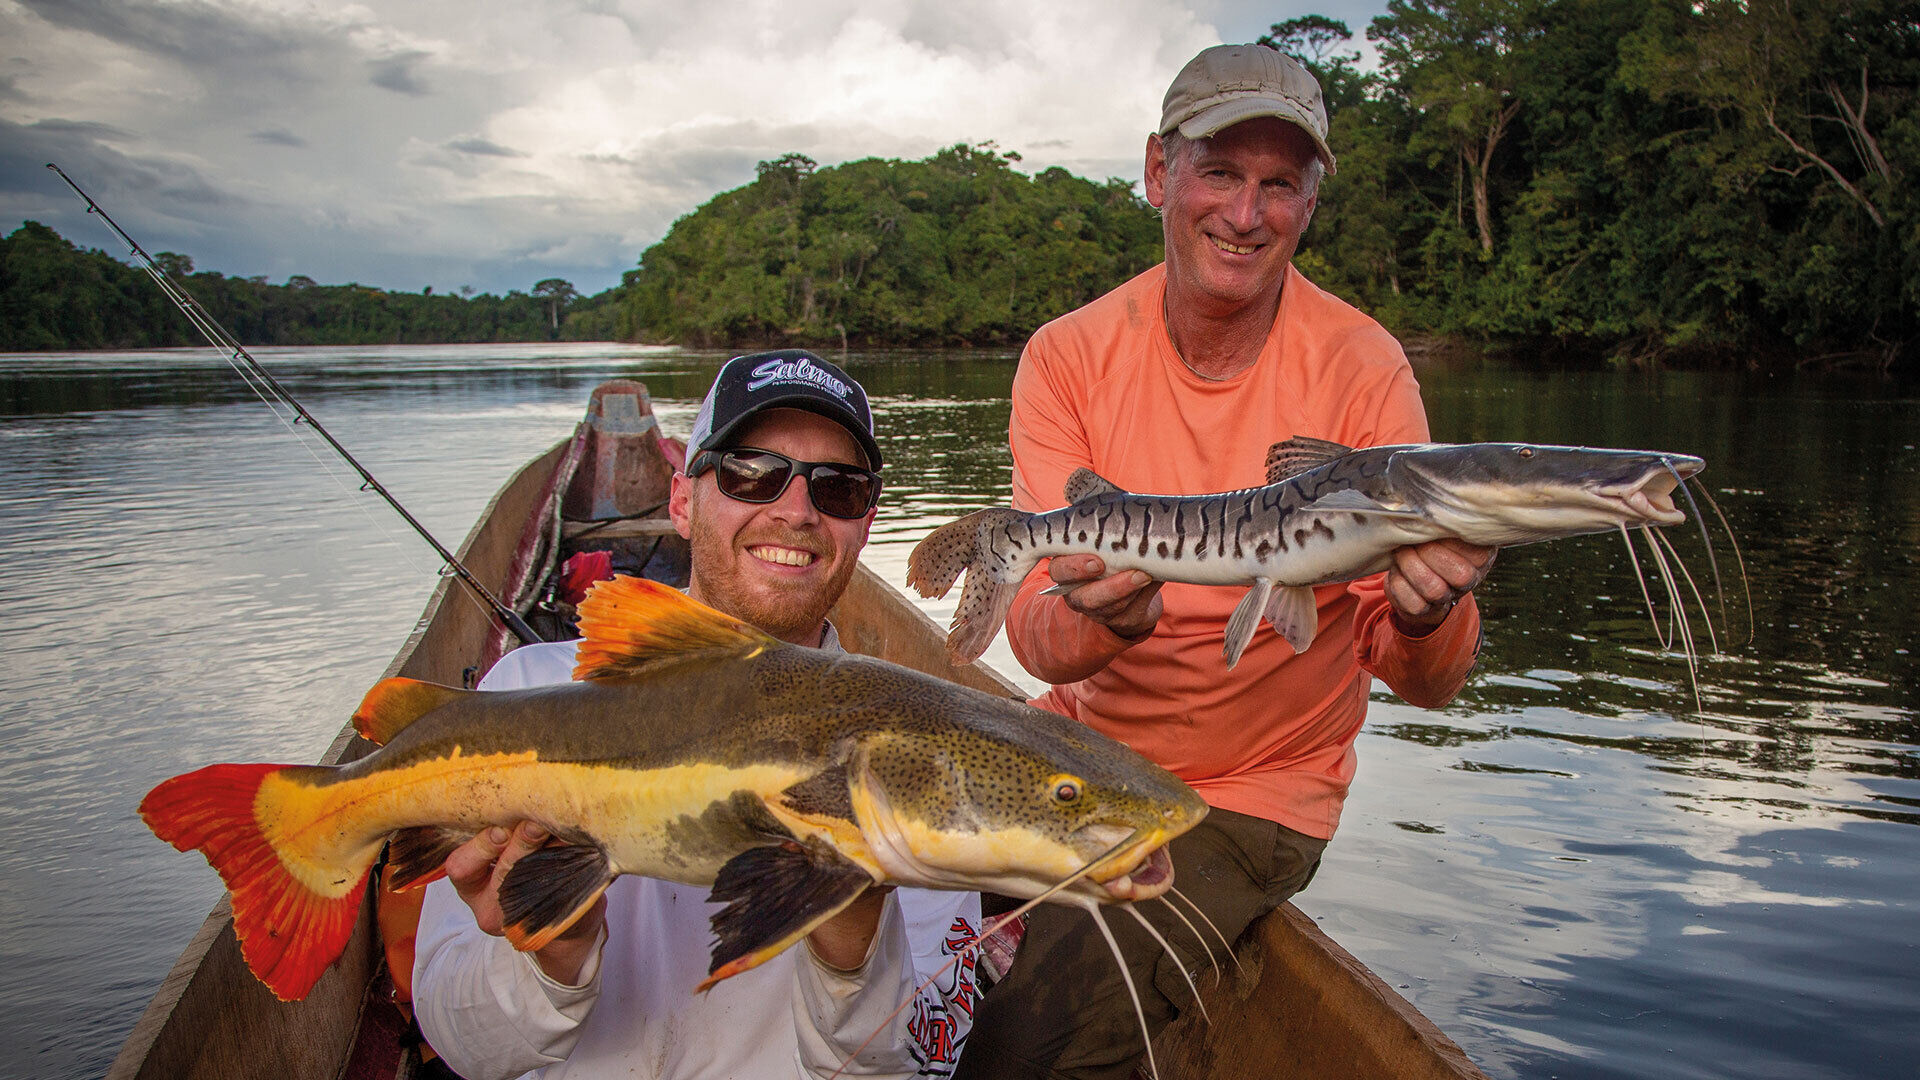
(613, 996)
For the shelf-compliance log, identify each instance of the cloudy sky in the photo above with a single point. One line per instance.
(408, 143)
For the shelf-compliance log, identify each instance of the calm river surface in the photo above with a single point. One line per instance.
(1568, 869)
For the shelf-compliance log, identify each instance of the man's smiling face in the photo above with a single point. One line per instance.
(1233, 208)
(778, 565)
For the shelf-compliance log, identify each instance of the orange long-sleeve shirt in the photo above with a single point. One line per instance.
(1102, 387)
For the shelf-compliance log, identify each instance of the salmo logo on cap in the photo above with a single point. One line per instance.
(789, 378)
(790, 371)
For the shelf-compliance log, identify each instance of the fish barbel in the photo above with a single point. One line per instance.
(693, 748)
(1329, 513)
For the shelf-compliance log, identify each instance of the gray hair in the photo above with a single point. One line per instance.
(1177, 149)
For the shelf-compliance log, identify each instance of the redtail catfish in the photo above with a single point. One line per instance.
(695, 748)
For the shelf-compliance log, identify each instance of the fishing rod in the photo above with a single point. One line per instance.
(219, 338)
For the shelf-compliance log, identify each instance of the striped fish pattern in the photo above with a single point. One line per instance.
(1329, 513)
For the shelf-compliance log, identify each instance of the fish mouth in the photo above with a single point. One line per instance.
(1649, 499)
(1140, 869)
(1150, 877)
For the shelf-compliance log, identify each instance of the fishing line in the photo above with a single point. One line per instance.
(263, 384)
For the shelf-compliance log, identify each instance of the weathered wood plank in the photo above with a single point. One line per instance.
(1300, 1006)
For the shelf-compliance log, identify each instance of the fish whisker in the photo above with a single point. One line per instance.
(1178, 960)
(1204, 947)
(1746, 582)
(1216, 930)
(1713, 639)
(1705, 541)
(1640, 575)
(1680, 628)
(1126, 976)
(987, 930)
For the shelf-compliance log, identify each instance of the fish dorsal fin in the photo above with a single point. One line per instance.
(393, 704)
(1085, 484)
(630, 623)
(1300, 453)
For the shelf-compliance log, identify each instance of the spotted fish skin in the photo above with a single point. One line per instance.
(694, 748)
(1328, 514)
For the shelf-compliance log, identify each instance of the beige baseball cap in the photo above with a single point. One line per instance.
(1229, 83)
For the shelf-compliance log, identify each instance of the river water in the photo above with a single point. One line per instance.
(1573, 872)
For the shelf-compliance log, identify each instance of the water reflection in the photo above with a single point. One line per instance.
(1570, 868)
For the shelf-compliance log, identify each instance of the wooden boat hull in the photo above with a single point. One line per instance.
(1302, 1006)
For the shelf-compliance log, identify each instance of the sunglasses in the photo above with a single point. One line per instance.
(761, 476)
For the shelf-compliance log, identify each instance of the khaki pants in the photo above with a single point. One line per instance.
(1063, 1011)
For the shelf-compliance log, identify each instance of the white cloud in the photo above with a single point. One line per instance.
(410, 143)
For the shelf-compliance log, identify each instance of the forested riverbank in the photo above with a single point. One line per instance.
(1715, 182)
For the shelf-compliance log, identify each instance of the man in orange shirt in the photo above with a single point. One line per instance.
(1177, 383)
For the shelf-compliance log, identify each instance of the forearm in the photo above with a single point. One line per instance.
(484, 1006)
(1053, 642)
(1424, 668)
(837, 1010)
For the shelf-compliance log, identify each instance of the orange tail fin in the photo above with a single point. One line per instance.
(288, 933)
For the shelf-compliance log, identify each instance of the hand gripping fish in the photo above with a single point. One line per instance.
(1329, 513)
(693, 748)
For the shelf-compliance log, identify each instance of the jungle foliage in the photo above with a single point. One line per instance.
(1718, 179)
(958, 249)
(56, 296)
(1713, 180)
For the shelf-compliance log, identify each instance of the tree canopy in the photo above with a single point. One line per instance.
(956, 249)
(1710, 180)
(54, 295)
(1719, 179)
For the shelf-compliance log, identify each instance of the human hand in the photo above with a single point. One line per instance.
(476, 869)
(1426, 580)
(1127, 603)
(843, 941)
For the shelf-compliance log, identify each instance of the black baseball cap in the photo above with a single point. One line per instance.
(783, 379)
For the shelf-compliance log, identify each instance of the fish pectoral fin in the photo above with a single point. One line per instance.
(1299, 454)
(419, 855)
(548, 890)
(393, 704)
(1246, 619)
(1085, 484)
(1352, 501)
(628, 624)
(775, 895)
(1065, 588)
(824, 794)
(1295, 615)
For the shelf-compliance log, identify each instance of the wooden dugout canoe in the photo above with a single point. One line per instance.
(1298, 1006)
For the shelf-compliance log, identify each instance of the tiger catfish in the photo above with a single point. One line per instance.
(694, 748)
(1328, 514)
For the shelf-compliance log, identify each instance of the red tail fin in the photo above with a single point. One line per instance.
(288, 933)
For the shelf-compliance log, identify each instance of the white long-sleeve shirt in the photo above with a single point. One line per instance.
(493, 1014)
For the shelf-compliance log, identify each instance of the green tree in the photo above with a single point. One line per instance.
(558, 293)
(1460, 65)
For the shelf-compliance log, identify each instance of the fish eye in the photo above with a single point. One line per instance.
(1065, 789)
(1526, 451)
